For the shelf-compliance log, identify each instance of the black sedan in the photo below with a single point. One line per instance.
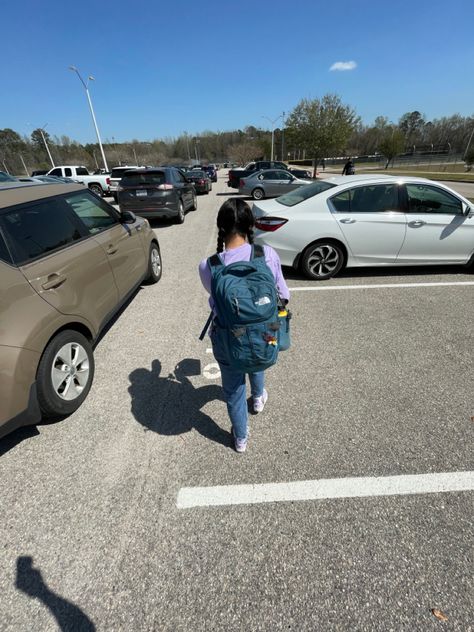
(200, 179)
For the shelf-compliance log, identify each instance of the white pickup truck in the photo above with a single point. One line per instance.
(100, 184)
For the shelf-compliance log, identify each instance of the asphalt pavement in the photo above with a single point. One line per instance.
(377, 384)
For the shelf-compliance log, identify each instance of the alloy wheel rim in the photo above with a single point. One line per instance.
(323, 260)
(155, 262)
(70, 371)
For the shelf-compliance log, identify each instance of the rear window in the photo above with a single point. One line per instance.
(137, 179)
(304, 193)
(118, 173)
(197, 174)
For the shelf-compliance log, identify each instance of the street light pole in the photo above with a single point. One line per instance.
(46, 145)
(273, 131)
(469, 143)
(86, 87)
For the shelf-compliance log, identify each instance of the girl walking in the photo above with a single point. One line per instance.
(235, 223)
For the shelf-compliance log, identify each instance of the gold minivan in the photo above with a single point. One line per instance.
(68, 261)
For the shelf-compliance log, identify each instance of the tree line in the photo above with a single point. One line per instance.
(315, 129)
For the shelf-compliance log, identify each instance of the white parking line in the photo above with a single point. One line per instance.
(376, 286)
(325, 489)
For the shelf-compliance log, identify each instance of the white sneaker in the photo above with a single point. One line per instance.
(259, 402)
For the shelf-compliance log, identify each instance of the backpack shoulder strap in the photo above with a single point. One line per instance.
(257, 251)
(214, 261)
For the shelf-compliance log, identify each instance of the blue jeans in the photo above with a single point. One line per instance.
(233, 385)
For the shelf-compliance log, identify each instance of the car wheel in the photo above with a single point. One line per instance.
(322, 260)
(96, 188)
(155, 265)
(258, 194)
(65, 374)
(194, 202)
(180, 218)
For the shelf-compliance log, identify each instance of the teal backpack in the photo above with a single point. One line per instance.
(246, 305)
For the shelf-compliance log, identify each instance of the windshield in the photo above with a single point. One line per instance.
(4, 177)
(304, 193)
(132, 179)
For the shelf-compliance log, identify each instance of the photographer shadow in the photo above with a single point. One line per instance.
(171, 405)
(68, 616)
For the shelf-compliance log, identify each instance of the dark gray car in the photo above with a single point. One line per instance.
(158, 192)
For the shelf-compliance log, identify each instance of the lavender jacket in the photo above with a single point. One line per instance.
(242, 253)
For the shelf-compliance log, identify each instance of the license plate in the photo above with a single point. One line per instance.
(141, 193)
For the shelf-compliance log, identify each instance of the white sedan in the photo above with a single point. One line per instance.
(366, 220)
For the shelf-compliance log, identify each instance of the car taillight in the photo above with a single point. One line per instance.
(201, 181)
(165, 187)
(107, 180)
(269, 224)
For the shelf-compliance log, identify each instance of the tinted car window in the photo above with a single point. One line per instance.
(367, 199)
(4, 254)
(4, 177)
(269, 175)
(92, 212)
(136, 179)
(39, 229)
(82, 171)
(118, 173)
(429, 199)
(55, 172)
(67, 172)
(304, 193)
(179, 177)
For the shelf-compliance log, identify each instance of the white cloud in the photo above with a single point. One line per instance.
(343, 65)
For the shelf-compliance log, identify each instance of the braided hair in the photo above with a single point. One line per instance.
(234, 218)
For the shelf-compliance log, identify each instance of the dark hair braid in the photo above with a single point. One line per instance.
(234, 218)
(220, 240)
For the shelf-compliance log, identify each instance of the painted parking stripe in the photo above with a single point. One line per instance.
(325, 489)
(376, 286)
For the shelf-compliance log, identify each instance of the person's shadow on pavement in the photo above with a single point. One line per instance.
(172, 405)
(68, 616)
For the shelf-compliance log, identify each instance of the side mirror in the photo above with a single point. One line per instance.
(466, 210)
(127, 217)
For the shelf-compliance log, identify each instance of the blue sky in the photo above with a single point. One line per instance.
(162, 68)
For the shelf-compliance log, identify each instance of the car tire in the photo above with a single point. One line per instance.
(96, 188)
(194, 203)
(181, 213)
(70, 354)
(155, 265)
(258, 193)
(322, 260)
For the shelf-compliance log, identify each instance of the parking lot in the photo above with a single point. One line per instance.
(377, 385)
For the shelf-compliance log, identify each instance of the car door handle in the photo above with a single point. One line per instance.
(111, 250)
(416, 223)
(54, 280)
(347, 220)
